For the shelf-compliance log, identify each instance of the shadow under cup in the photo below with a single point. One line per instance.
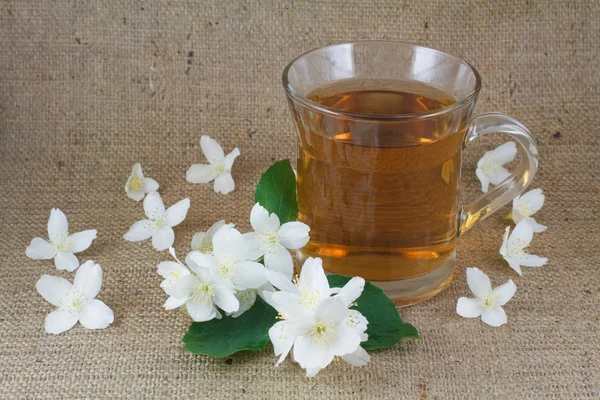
(381, 127)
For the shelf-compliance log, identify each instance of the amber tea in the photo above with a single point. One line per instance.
(382, 203)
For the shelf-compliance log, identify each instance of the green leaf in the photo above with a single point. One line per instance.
(276, 191)
(386, 327)
(223, 337)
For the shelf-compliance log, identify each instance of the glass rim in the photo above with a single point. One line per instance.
(294, 94)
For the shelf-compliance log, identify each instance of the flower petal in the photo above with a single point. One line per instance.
(505, 153)
(246, 298)
(313, 276)
(503, 251)
(225, 299)
(283, 334)
(39, 249)
(201, 173)
(515, 215)
(150, 185)
(172, 253)
(280, 261)
(352, 290)
(154, 206)
(198, 240)
(494, 316)
(281, 282)
(173, 303)
(211, 149)
(345, 340)
(478, 282)
(88, 279)
(267, 296)
(228, 241)
(505, 292)
(521, 236)
(52, 288)
(288, 305)
(82, 240)
(230, 158)
(163, 238)
(357, 359)
(66, 261)
(183, 287)
(59, 321)
(293, 235)
(486, 159)
(167, 269)
(267, 288)
(201, 312)
(58, 227)
(468, 308)
(96, 315)
(201, 260)
(262, 221)
(282, 340)
(141, 230)
(177, 212)
(533, 261)
(535, 200)
(358, 322)
(500, 175)
(537, 228)
(136, 171)
(224, 183)
(514, 265)
(210, 233)
(250, 275)
(254, 248)
(483, 178)
(332, 310)
(309, 354)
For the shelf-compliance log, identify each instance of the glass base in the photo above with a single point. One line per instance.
(407, 292)
(410, 291)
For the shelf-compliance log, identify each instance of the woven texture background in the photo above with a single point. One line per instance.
(88, 88)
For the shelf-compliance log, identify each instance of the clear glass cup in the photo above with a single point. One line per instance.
(380, 190)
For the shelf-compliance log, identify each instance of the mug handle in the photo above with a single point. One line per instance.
(515, 184)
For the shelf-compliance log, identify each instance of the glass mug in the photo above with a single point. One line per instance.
(381, 127)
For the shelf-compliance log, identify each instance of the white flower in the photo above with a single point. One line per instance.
(172, 272)
(272, 240)
(219, 167)
(160, 222)
(488, 303)
(61, 245)
(513, 248)
(75, 302)
(225, 278)
(230, 260)
(201, 292)
(137, 186)
(490, 167)
(315, 324)
(202, 241)
(527, 205)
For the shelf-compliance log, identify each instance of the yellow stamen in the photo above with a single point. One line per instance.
(203, 294)
(136, 184)
(321, 333)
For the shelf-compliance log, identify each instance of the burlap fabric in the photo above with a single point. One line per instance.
(89, 88)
